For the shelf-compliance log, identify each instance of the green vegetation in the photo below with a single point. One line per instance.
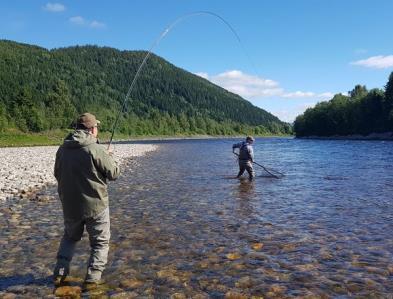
(362, 112)
(44, 90)
(13, 137)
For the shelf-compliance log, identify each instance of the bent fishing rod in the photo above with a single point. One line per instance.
(155, 44)
(265, 169)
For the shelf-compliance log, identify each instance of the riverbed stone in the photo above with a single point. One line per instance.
(178, 296)
(68, 291)
(124, 295)
(235, 295)
(257, 246)
(132, 283)
(233, 256)
(8, 296)
(244, 282)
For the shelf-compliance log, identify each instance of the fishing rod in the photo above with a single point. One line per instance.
(155, 44)
(267, 170)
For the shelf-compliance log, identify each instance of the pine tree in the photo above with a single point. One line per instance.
(389, 102)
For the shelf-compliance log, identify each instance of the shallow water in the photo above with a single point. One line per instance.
(182, 227)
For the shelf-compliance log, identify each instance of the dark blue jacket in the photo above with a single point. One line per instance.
(246, 151)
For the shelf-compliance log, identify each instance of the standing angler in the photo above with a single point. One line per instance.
(82, 169)
(246, 156)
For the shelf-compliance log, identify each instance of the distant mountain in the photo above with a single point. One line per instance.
(44, 89)
(363, 112)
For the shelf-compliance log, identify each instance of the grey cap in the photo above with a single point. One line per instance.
(87, 120)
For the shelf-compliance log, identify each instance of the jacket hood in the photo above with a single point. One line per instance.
(79, 138)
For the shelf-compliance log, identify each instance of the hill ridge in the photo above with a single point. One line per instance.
(43, 89)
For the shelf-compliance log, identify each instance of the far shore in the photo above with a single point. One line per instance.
(387, 136)
(15, 138)
(193, 137)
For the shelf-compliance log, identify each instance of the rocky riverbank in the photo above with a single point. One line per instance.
(26, 170)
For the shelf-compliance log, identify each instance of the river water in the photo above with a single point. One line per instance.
(182, 226)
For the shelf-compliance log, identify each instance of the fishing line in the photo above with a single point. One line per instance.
(155, 44)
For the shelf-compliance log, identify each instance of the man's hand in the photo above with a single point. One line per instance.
(110, 150)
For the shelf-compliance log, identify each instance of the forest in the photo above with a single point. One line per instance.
(362, 112)
(43, 90)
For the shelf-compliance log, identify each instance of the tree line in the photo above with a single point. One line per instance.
(362, 112)
(44, 89)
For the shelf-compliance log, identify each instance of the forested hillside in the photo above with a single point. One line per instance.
(44, 89)
(362, 112)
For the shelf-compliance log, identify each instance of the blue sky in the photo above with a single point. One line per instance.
(292, 54)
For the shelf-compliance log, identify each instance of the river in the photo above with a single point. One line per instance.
(182, 226)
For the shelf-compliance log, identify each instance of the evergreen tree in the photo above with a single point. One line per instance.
(3, 117)
(389, 102)
(60, 110)
(358, 92)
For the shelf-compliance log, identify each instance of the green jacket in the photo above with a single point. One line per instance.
(82, 169)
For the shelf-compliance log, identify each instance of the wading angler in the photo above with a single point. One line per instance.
(246, 157)
(82, 169)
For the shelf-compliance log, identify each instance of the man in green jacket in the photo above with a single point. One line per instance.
(82, 169)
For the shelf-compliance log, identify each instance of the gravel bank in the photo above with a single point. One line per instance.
(24, 170)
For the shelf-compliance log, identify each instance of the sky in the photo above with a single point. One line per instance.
(282, 56)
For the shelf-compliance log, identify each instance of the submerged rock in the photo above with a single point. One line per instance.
(68, 291)
(132, 283)
(244, 282)
(178, 296)
(257, 246)
(124, 295)
(235, 295)
(233, 256)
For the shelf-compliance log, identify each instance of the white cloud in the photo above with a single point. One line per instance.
(377, 62)
(203, 75)
(96, 24)
(290, 113)
(80, 21)
(245, 85)
(249, 86)
(326, 95)
(54, 7)
(299, 94)
(307, 94)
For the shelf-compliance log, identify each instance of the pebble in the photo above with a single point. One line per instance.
(233, 256)
(178, 296)
(257, 246)
(124, 295)
(244, 283)
(131, 283)
(68, 291)
(390, 269)
(235, 295)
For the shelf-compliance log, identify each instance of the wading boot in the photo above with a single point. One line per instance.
(59, 276)
(91, 285)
